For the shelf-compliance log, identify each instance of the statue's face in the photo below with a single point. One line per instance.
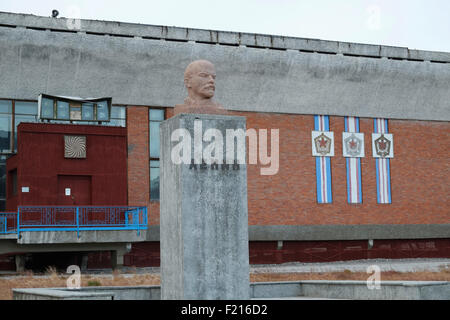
(202, 80)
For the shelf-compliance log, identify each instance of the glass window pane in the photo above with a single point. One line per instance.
(154, 139)
(62, 110)
(24, 107)
(5, 133)
(154, 163)
(154, 183)
(118, 112)
(87, 111)
(5, 106)
(116, 122)
(102, 111)
(47, 108)
(23, 118)
(156, 114)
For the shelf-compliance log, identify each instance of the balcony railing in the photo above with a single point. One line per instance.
(8, 222)
(64, 218)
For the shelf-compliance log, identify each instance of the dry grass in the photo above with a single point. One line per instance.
(53, 279)
(443, 275)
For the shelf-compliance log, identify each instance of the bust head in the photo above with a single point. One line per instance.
(199, 79)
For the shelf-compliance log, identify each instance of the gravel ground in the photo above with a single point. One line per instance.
(399, 265)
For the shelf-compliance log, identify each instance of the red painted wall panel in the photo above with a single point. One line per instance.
(40, 160)
(147, 254)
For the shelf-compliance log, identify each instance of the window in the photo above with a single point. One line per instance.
(23, 112)
(118, 116)
(57, 108)
(87, 111)
(62, 109)
(12, 112)
(2, 182)
(47, 108)
(5, 125)
(155, 117)
(102, 111)
(154, 180)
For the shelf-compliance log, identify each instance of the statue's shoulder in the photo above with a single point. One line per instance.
(209, 108)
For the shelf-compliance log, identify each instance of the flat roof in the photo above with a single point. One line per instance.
(254, 40)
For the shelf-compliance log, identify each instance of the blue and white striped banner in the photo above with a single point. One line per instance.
(323, 165)
(382, 167)
(354, 189)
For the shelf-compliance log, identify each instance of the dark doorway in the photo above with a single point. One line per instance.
(41, 262)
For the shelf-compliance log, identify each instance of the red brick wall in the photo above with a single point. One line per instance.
(138, 156)
(262, 252)
(138, 161)
(419, 180)
(419, 174)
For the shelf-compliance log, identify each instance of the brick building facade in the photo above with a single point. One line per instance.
(418, 175)
(276, 83)
(419, 187)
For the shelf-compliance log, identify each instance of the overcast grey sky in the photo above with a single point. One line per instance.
(417, 24)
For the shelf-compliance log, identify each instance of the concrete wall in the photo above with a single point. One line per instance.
(336, 232)
(144, 65)
(389, 290)
(13, 247)
(355, 290)
(90, 293)
(70, 237)
(55, 294)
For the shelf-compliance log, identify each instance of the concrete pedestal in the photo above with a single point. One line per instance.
(204, 219)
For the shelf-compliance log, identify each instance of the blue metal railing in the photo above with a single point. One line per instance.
(63, 218)
(8, 222)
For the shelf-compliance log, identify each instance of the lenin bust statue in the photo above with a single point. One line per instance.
(200, 79)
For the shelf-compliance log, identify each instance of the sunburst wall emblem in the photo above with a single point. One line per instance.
(75, 147)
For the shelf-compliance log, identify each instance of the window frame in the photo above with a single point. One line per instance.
(11, 125)
(112, 119)
(153, 158)
(14, 114)
(13, 150)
